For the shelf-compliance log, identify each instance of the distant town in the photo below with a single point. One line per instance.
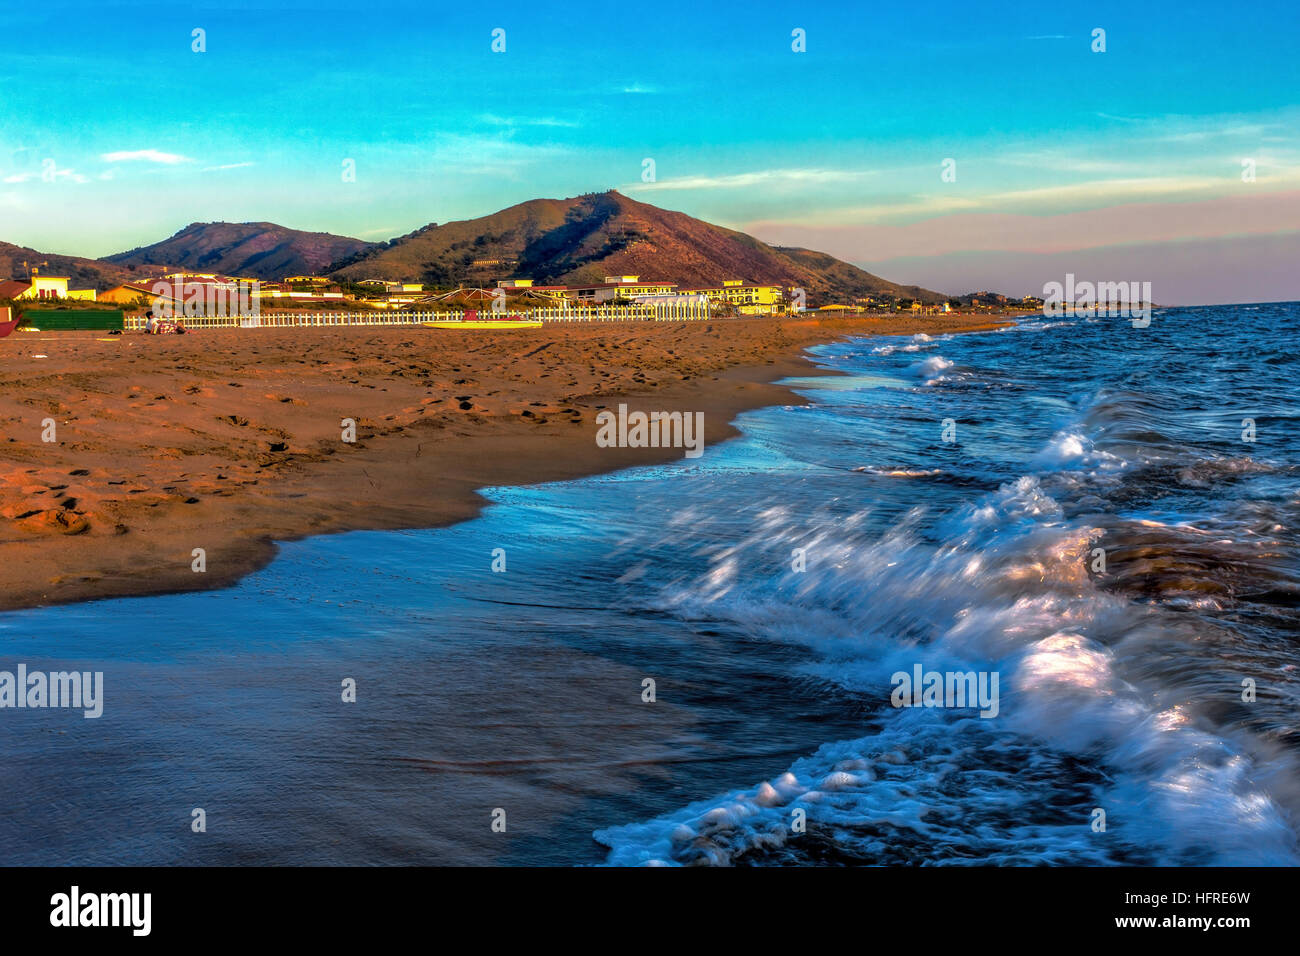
(207, 295)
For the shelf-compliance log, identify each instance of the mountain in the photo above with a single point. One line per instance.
(562, 241)
(84, 273)
(261, 250)
(584, 239)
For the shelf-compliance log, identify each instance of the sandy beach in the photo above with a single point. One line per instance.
(228, 441)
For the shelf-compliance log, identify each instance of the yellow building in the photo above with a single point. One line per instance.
(128, 294)
(749, 298)
(631, 286)
(636, 287)
(620, 287)
(47, 287)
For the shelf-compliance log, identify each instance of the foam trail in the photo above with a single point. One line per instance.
(1001, 584)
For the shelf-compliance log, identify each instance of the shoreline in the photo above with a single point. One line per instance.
(230, 441)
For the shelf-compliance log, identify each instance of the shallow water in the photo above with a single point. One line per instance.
(1120, 689)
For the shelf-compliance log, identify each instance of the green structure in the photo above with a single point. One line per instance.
(66, 320)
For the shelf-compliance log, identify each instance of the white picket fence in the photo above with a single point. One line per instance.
(275, 318)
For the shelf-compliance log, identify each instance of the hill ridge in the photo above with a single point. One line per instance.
(584, 238)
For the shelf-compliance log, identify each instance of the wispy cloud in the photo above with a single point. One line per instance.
(766, 177)
(1250, 130)
(513, 121)
(1060, 161)
(145, 156)
(212, 169)
(475, 155)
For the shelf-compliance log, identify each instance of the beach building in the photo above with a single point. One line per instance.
(128, 293)
(286, 290)
(44, 287)
(47, 287)
(632, 286)
(547, 295)
(620, 287)
(748, 298)
(559, 294)
(187, 293)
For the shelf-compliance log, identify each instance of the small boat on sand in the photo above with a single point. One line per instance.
(472, 321)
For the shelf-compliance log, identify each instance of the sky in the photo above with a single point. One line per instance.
(960, 146)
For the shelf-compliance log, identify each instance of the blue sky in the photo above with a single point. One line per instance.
(1059, 151)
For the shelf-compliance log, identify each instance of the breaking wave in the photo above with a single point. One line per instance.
(1124, 587)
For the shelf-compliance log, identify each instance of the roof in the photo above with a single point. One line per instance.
(13, 288)
(617, 285)
(134, 286)
(743, 285)
(186, 279)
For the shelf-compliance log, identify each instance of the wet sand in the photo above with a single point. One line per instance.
(231, 440)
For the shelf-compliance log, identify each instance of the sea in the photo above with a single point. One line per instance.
(702, 662)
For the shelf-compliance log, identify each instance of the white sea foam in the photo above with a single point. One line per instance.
(1006, 589)
(918, 342)
(930, 368)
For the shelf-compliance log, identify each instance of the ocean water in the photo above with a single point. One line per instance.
(1099, 534)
